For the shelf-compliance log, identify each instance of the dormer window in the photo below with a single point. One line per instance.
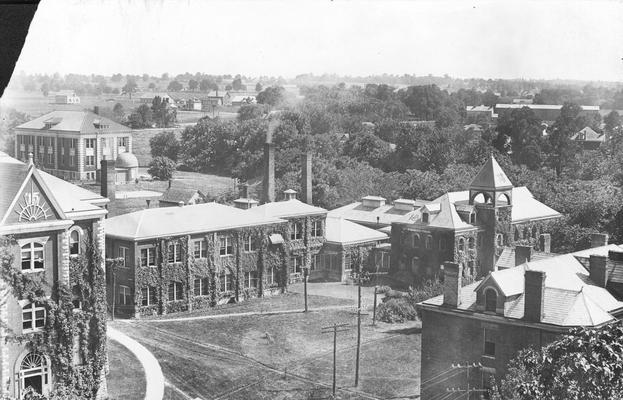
(472, 218)
(491, 300)
(425, 218)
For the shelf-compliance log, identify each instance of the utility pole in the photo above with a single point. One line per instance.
(305, 275)
(358, 316)
(335, 329)
(468, 391)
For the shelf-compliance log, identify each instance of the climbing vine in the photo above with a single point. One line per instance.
(64, 321)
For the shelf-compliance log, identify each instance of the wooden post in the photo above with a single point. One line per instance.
(114, 284)
(334, 355)
(305, 275)
(374, 307)
(358, 329)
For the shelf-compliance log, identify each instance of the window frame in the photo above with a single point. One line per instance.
(227, 249)
(151, 255)
(122, 252)
(203, 248)
(488, 346)
(249, 244)
(174, 256)
(33, 307)
(296, 231)
(32, 260)
(125, 293)
(204, 285)
(316, 230)
(77, 243)
(178, 291)
(150, 298)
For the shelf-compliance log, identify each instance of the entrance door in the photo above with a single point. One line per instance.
(34, 382)
(34, 373)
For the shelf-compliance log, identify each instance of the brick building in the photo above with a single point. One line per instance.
(471, 227)
(49, 220)
(71, 144)
(486, 323)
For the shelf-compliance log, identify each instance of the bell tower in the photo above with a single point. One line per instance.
(491, 194)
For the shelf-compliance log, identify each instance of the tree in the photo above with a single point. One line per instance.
(520, 134)
(151, 86)
(258, 87)
(207, 84)
(161, 168)
(562, 148)
(142, 117)
(368, 147)
(583, 365)
(272, 95)
(129, 88)
(236, 84)
(175, 86)
(118, 112)
(228, 87)
(250, 111)
(145, 77)
(164, 77)
(165, 144)
(116, 78)
(193, 84)
(612, 121)
(45, 89)
(163, 114)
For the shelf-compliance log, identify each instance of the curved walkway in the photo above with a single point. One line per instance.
(154, 387)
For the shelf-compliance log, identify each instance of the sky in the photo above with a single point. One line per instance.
(467, 39)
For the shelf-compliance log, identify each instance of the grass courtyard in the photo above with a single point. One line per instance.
(284, 356)
(126, 380)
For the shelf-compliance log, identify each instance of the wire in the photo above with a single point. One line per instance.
(437, 376)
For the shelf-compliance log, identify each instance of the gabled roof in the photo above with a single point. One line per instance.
(342, 231)
(589, 135)
(175, 221)
(447, 217)
(177, 194)
(286, 208)
(74, 121)
(507, 258)
(491, 177)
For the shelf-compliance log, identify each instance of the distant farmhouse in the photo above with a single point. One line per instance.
(545, 112)
(71, 144)
(66, 97)
(485, 324)
(241, 99)
(588, 139)
(148, 98)
(216, 98)
(480, 111)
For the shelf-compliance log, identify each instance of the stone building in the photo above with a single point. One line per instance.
(48, 221)
(485, 324)
(471, 227)
(71, 144)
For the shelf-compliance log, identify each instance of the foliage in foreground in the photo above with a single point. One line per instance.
(587, 364)
(161, 168)
(400, 306)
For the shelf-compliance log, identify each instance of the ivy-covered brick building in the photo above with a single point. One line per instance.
(52, 312)
(471, 227)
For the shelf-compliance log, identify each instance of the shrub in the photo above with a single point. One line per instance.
(399, 309)
(161, 168)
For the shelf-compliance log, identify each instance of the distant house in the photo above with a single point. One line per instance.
(522, 101)
(194, 104)
(589, 139)
(148, 98)
(480, 111)
(545, 112)
(174, 197)
(218, 98)
(66, 97)
(238, 100)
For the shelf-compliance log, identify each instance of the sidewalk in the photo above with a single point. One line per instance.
(154, 387)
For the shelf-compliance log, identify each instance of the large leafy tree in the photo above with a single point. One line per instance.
(272, 95)
(587, 364)
(142, 117)
(562, 148)
(175, 86)
(129, 88)
(161, 168)
(520, 134)
(163, 114)
(165, 144)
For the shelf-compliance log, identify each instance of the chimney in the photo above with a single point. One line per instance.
(180, 203)
(243, 190)
(599, 239)
(289, 194)
(598, 271)
(545, 242)
(244, 203)
(306, 176)
(452, 273)
(268, 195)
(107, 179)
(534, 291)
(96, 110)
(170, 183)
(522, 254)
(31, 160)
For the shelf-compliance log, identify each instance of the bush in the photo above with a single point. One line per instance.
(398, 309)
(161, 168)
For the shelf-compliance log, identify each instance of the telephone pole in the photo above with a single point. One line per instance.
(335, 329)
(468, 391)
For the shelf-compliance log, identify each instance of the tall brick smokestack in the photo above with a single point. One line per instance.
(107, 179)
(268, 184)
(306, 177)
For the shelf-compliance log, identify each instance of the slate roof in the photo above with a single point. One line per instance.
(507, 258)
(286, 208)
(589, 135)
(491, 177)
(570, 297)
(447, 217)
(74, 121)
(387, 214)
(342, 231)
(175, 221)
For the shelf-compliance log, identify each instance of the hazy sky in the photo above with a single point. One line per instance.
(490, 39)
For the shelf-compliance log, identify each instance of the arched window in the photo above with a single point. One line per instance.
(461, 244)
(34, 373)
(33, 317)
(429, 242)
(74, 243)
(491, 299)
(470, 243)
(32, 257)
(500, 239)
(416, 240)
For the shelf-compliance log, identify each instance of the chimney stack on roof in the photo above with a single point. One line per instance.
(598, 270)
(523, 254)
(31, 160)
(534, 293)
(244, 203)
(599, 239)
(452, 274)
(289, 194)
(243, 190)
(107, 179)
(545, 242)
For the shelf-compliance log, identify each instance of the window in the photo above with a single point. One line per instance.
(89, 161)
(297, 231)
(74, 242)
(148, 257)
(125, 298)
(32, 257)
(123, 253)
(296, 264)
(122, 142)
(316, 229)
(201, 286)
(176, 291)
(270, 276)
(175, 252)
(472, 218)
(429, 242)
(500, 239)
(148, 295)
(491, 300)
(314, 262)
(416, 240)
(226, 247)
(442, 244)
(470, 243)
(461, 244)
(76, 295)
(250, 279)
(89, 143)
(489, 343)
(200, 249)
(225, 282)
(249, 245)
(33, 317)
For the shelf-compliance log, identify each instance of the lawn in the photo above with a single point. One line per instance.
(281, 356)
(126, 379)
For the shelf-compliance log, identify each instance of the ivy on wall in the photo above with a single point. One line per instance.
(63, 322)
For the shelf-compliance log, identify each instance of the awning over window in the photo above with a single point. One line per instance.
(276, 238)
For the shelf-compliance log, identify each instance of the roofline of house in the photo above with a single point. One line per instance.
(184, 233)
(506, 320)
(304, 214)
(36, 227)
(79, 215)
(356, 241)
(519, 221)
